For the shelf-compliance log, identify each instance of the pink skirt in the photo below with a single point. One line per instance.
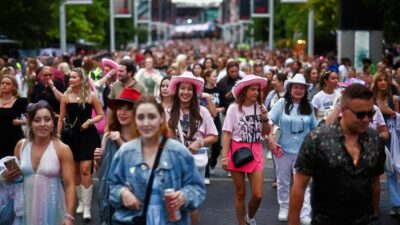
(254, 166)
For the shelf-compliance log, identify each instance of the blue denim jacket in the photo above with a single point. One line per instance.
(176, 170)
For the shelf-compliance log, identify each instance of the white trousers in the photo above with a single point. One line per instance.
(284, 171)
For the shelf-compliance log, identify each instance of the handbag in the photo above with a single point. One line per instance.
(141, 220)
(68, 126)
(243, 155)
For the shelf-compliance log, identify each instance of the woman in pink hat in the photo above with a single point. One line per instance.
(245, 125)
(188, 122)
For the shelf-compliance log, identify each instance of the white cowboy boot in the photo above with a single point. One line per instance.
(79, 210)
(87, 200)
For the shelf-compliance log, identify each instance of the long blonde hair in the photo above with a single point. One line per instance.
(84, 93)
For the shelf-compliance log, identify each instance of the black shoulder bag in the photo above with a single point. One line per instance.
(141, 220)
(243, 155)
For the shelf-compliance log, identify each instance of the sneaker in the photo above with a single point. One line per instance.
(228, 174)
(283, 215)
(249, 221)
(212, 171)
(394, 211)
(207, 181)
(305, 221)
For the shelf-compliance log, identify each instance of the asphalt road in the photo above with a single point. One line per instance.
(218, 207)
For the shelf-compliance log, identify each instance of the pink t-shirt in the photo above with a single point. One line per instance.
(207, 127)
(242, 125)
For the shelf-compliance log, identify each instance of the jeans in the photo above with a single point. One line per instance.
(284, 171)
(394, 189)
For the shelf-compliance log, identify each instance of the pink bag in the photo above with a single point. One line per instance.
(100, 126)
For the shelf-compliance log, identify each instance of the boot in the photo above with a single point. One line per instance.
(87, 200)
(79, 210)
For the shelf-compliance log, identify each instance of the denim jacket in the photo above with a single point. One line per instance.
(176, 170)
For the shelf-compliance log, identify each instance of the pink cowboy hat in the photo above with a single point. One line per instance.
(111, 63)
(186, 77)
(246, 81)
(351, 81)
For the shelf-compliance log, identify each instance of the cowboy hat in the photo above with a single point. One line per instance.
(128, 95)
(111, 63)
(297, 79)
(246, 81)
(186, 77)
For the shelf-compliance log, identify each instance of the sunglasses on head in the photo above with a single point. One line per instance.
(362, 114)
(32, 106)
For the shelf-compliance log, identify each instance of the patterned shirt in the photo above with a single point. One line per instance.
(342, 192)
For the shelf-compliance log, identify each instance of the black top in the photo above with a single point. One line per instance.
(341, 192)
(10, 134)
(225, 85)
(41, 92)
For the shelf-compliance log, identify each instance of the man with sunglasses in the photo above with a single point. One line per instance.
(345, 160)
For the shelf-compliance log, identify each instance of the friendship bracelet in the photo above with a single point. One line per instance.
(69, 217)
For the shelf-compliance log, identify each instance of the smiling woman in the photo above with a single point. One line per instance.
(45, 161)
(145, 168)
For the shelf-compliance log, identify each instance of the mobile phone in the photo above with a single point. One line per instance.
(11, 164)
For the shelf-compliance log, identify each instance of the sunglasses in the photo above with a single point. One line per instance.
(361, 114)
(40, 104)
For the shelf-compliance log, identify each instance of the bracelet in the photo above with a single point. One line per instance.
(54, 87)
(89, 121)
(226, 158)
(69, 217)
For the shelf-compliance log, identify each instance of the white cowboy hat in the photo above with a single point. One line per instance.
(297, 79)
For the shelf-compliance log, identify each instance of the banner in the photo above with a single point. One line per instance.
(143, 11)
(244, 9)
(122, 8)
(260, 8)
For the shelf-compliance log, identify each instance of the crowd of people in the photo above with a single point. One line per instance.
(153, 125)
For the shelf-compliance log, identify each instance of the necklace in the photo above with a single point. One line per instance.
(6, 102)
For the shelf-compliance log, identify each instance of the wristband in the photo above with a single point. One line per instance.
(226, 158)
(69, 217)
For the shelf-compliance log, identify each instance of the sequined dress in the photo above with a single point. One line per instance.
(43, 191)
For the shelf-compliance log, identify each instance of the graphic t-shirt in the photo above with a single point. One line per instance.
(323, 102)
(244, 126)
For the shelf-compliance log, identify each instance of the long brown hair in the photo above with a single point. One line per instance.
(242, 97)
(152, 100)
(114, 124)
(374, 86)
(195, 118)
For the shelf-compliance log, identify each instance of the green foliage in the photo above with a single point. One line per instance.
(26, 20)
(83, 22)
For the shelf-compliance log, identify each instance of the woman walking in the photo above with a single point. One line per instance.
(134, 193)
(245, 125)
(294, 115)
(189, 122)
(80, 134)
(121, 128)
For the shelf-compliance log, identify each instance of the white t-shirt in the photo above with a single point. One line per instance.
(243, 126)
(207, 127)
(323, 102)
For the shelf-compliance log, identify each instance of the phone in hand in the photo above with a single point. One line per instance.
(12, 164)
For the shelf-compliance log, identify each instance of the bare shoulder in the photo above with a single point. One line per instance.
(61, 148)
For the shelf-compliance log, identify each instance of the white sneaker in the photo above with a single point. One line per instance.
(228, 174)
(283, 215)
(207, 181)
(249, 221)
(305, 221)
